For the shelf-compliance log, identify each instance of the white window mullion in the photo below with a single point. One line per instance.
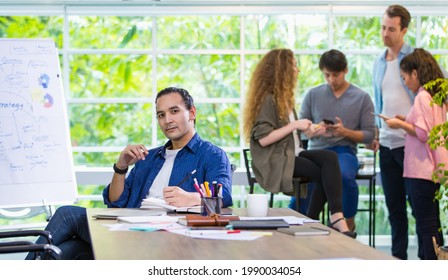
(154, 52)
(243, 88)
(330, 27)
(418, 31)
(65, 58)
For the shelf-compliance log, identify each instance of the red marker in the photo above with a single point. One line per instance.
(196, 186)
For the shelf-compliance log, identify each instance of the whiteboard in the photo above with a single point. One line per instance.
(36, 162)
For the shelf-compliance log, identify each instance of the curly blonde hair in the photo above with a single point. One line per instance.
(274, 75)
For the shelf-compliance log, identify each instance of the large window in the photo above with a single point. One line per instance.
(115, 60)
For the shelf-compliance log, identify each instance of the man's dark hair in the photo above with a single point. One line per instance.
(333, 60)
(399, 11)
(188, 100)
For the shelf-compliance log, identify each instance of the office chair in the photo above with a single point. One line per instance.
(371, 178)
(232, 167)
(46, 251)
(298, 182)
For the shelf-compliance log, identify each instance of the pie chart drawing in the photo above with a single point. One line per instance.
(44, 79)
(48, 101)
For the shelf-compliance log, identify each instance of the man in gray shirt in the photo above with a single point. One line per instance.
(342, 117)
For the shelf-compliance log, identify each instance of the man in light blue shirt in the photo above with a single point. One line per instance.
(393, 98)
(157, 172)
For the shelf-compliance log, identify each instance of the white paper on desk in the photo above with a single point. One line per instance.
(243, 235)
(233, 236)
(149, 219)
(125, 212)
(152, 202)
(162, 226)
(292, 220)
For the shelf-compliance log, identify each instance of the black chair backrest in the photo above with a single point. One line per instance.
(42, 251)
(232, 167)
(248, 163)
(297, 181)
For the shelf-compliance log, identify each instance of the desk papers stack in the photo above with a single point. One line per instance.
(127, 212)
(152, 202)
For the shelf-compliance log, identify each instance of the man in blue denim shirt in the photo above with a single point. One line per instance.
(393, 98)
(156, 173)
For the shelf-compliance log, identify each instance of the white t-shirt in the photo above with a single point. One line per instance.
(163, 178)
(395, 102)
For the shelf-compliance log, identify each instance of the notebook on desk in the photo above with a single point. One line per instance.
(153, 203)
(304, 230)
(259, 224)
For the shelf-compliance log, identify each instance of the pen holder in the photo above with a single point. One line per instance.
(211, 205)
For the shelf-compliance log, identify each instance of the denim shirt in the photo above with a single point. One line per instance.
(379, 70)
(211, 164)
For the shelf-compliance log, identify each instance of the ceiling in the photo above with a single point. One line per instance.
(31, 4)
(215, 2)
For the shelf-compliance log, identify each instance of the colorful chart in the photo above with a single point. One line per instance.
(44, 80)
(48, 101)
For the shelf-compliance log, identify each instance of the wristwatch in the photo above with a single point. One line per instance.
(120, 171)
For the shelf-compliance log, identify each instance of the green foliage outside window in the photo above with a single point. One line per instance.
(360, 71)
(33, 27)
(198, 32)
(442, 60)
(106, 75)
(310, 74)
(364, 37)
(204, 76)
(110, 125)
(110, 32)
(434, 30)
(301, 31)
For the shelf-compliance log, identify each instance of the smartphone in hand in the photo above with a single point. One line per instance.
(381, 116)
(327, 121)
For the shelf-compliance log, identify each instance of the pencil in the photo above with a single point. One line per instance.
(186, 177)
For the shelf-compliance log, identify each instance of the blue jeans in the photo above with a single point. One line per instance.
(70, 232)
(349, 168)
(391, 165)
(425, 207)
(350, 193)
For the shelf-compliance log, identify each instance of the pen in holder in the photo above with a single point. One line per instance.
(211, 205)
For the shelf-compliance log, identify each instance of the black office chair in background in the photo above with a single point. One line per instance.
(369, 176)
(233, 168)
(300, 183)
(46, 251)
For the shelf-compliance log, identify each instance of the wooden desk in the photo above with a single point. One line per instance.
(161, 245)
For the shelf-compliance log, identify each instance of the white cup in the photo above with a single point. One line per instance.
(257, 205)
